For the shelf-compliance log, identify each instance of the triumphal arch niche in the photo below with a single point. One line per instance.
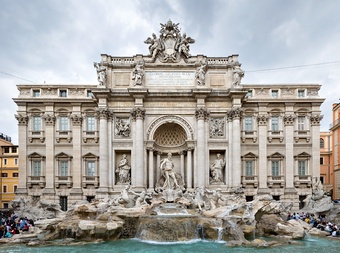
(170, 103)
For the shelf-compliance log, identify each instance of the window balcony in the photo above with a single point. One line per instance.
(302, 180)
(302, 134)
(275, 134)
(33, 134)
(90, 181)
(88, 135)
(249, 134)
(63, 134)
(276, 181)
(250, 181)
(63, 180)
(36, 180)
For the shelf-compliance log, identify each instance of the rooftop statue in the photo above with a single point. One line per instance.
(171, 46)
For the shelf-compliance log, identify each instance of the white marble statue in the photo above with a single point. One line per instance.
(238, 73)
(200, 75)
(138, 74)
(101, 73)
(216, 169)
(167, 167)
(123, 170)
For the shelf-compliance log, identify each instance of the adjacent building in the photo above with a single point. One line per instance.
(9, 166)
(335, 130)
(82, 141)
(326, 161)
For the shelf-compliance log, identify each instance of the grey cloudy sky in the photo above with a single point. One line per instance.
(57, 41)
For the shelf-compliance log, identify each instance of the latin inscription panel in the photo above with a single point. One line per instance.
(170, 78)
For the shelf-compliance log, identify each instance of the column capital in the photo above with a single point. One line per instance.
(76, 119)
(138, 113)
(49, 119)
(315, 119)
(22, 119)
(235, 113)
(201, 113)
(103, 113)
(262, 119)
(288, 119)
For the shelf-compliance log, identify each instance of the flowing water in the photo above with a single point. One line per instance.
(310, 245)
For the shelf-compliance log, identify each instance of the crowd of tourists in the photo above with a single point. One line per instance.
(319, 222)
(11, 224)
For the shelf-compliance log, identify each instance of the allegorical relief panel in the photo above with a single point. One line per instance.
(122, 127)
(216, 127)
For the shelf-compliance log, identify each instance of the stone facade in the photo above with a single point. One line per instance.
(72, 137)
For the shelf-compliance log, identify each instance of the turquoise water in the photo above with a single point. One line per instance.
(310, 245)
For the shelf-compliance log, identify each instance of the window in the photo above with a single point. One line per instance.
(36, 123)
(36, 168)
(302, 168)
(322, 179)
(301, 123)
(248, 123)
(63, 93)
(249, 168)
(14, 149)
(36, 93)
(89, 94)
(64, 123)
(15, 174)
(5, 205)
(6, 149)
(90, 124)
(63, 168)
(321, 160)
(15, 188)
(322, 143)
(63, 203)
(5, 161)
(301, 93)
(249, 94)
(90, 168)
(276, 197)
(4, 189)
(15, 161)
(4, 174)
(275, 93)
(275, 123)
(275, 168)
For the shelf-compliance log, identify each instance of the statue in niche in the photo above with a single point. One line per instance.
(123, 170)
(138, 74)
(238, 73)
(216, 127)
(216, 169)
(101, 73)
(122, 128)
(169, 180)
(200, 75)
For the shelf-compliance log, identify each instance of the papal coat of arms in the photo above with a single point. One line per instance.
(171, 46)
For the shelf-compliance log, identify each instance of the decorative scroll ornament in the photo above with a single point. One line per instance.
(49, 119)
(22, 119)
(201, 113)
(171, 46)
(315, 119)
(76, 119)
(289, 120)
(138, 113)
(262, 119)
(101, 73)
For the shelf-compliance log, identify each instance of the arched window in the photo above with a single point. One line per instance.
(322, 143)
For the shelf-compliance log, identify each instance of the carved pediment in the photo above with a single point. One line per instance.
(250, 155)
(63, 155)
(35, 155)
(302, 155)
(90, 155)
(276, 155)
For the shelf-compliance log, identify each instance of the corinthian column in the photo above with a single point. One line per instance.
(49, 119)
(200, 168)
(103, 115)
(137, 173)
(262, 123)
(289, 136)
(315, 133)
(23, 166)
(236, 114)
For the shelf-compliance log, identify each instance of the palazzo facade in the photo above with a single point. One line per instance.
(83, 141)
